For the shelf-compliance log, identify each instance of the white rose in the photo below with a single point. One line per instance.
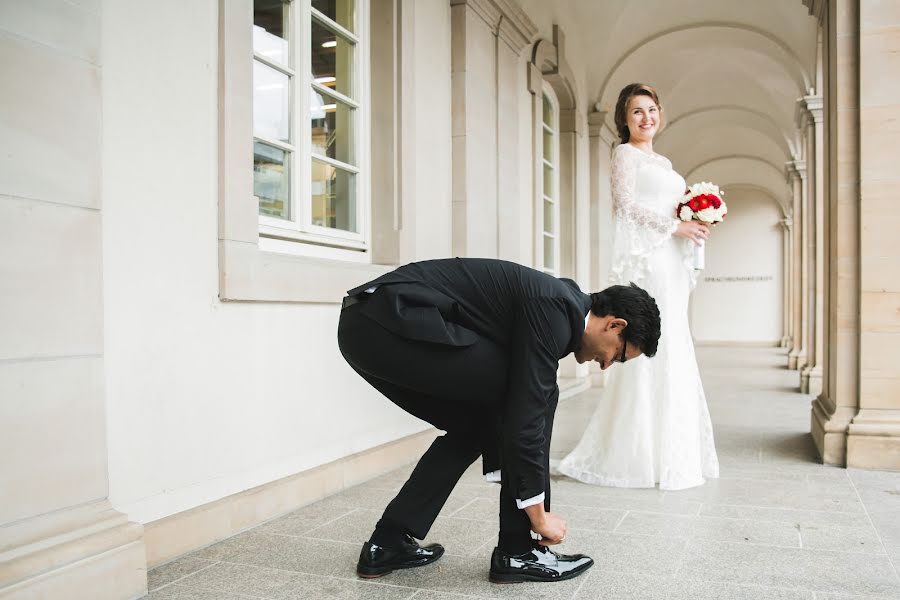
(685, 214)
(707, 215)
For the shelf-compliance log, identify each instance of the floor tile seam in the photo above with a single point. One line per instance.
(468, 519)
(584, 580)
(424, 591)
(702, 539)
(352, 579)
(770, 587)
(743, 519)
(689, 537)
(877, 533)
(621, 520)
(463, 506)
(805, 548)
(759, 586)
(683, 555)
(238, 594)
(812, 510)
(338, 518)
(213, 563)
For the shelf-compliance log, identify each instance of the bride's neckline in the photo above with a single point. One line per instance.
(648, 154)
(652, 154)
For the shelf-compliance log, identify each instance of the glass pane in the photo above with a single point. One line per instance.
(271, 180)
(549, 253)
(549, 217)
(339, 11)
(332, 128)
(549, 146)
(270, 29)
(549, 182)
(271, 103)
(548, 111)
(332, 59)
(333, 197)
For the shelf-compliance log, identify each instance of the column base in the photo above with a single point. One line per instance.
(829, 430)
(792, 359)
(796, 359)
(811, 381)
(873, 440)
(71, 551)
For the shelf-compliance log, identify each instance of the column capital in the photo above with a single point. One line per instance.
(814, 106)
(787, 223)
(802, 118)
(816, 8)
(506, 19)
(795, 168)
(597, 127)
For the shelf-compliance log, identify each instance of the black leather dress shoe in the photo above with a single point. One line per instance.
(375, 560)
(540, 564)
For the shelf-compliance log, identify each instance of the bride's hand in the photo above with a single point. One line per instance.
(692, 230)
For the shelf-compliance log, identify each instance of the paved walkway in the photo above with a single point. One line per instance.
(775, 526)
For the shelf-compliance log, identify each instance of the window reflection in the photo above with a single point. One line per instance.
(270, 34)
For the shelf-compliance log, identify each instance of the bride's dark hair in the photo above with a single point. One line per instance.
(628, 92)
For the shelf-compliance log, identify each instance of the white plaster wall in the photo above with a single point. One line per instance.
(204, 399)
(747, 244)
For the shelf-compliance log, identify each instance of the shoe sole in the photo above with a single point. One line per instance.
(376, 573)
(513, 578)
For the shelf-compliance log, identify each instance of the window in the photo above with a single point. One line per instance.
(550, 191)
(310, 74)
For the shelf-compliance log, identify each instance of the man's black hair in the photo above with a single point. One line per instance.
(636, 306)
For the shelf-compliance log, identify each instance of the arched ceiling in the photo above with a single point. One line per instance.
(729, 74)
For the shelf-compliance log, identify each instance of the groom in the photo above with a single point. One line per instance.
(472, 347)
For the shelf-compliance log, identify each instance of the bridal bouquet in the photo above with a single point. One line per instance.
(702, 202)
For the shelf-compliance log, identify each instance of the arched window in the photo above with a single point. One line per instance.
(549, 209)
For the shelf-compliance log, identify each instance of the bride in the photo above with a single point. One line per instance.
(652, 425)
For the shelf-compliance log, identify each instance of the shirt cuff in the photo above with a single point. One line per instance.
(531, 501)
(492, 477)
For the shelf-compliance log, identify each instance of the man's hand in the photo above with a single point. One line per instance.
(549, 526)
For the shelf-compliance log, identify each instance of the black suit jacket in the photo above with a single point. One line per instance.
(538, 318)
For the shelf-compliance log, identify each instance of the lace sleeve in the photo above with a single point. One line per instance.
(623, 183)
(639, 230)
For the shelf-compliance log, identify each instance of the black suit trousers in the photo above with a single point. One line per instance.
(460, 390)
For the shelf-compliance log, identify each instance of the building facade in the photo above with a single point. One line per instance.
(188, 188)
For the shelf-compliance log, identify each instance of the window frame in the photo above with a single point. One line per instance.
(315, 240)
(548, 92)
(255, 267)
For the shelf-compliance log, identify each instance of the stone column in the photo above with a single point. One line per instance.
(797, 355)
(514, 222)
(809, 243)
(481, 71)
(787, 232)
(59, 535)
(874, 434)
(838, 403)
(811, 379)
(601, 142)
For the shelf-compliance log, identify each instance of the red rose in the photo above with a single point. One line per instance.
(715, 201)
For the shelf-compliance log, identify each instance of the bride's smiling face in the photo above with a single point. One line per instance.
(642, 117)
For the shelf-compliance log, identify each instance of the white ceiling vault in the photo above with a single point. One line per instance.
(729, 74)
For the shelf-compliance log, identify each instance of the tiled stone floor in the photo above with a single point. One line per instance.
(776, 525)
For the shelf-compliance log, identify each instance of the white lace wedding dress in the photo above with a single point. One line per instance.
(652, 424)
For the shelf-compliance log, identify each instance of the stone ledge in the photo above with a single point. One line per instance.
(91, 547)
(179, 534)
